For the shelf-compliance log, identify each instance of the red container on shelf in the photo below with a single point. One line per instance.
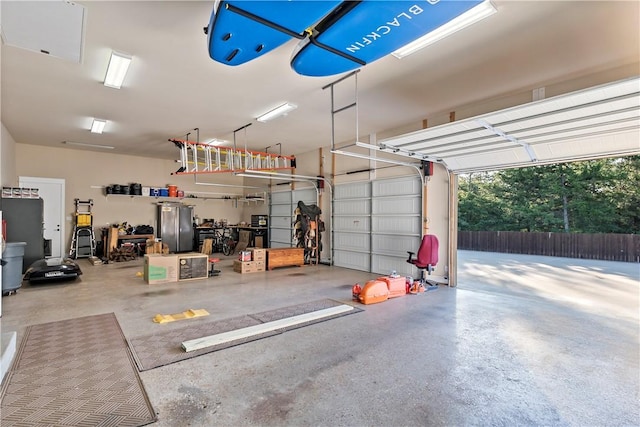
(173, 190)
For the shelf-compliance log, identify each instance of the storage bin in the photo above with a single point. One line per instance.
(397, 285)
(12, 271)
(374, 291)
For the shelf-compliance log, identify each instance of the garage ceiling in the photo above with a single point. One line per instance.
(174, 87)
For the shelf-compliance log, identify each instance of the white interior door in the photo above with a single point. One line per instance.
(51, 190)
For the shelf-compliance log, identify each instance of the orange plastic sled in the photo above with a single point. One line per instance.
(374, 291)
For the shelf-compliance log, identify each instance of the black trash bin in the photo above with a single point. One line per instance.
(12, 259)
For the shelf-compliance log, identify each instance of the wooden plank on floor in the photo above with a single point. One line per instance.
(249, 331)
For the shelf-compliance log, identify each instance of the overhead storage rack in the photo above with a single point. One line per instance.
(201, 158)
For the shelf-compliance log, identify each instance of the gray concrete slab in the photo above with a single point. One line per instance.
(522, 341)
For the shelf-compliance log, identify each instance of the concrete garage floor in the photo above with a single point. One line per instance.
(522, 341)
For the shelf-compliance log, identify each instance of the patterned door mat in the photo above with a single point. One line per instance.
(77, 372)
(163, 348)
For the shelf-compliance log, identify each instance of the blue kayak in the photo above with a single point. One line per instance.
(336, 36)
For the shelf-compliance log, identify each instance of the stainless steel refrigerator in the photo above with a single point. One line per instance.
(175, 226)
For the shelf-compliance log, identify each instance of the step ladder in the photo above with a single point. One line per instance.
(200, 158)
(83, 244)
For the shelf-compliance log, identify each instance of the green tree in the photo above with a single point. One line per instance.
(595, 196)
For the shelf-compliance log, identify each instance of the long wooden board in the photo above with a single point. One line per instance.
(199, 343)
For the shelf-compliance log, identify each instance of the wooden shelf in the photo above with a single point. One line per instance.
(172, 199)
(236, 198)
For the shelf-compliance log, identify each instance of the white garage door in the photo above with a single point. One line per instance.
(280, 220)
(376, 223)
(396, 210)
(282, 206)
(352, 226)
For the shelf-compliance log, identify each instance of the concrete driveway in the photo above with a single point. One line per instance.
(572, 324)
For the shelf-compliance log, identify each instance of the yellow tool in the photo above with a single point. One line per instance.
(165, 318)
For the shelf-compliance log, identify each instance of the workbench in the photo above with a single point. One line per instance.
(284, 257)
(113, 240)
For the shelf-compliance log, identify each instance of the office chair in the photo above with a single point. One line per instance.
(426, 260)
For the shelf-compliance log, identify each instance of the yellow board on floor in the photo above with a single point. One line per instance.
(189, 314)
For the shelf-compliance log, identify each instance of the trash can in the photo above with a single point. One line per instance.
(12, 259)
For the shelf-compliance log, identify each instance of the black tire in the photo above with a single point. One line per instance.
(226, 249)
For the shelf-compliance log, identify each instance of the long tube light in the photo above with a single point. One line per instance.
(277, 112)
(82, 144)
(473, 15)
(117, 70)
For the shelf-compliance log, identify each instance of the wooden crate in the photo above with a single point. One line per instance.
(284, 257)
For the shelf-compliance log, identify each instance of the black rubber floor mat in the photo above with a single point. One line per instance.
(77, 372)
(164, 347)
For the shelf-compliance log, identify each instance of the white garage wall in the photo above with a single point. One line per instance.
(84, 170)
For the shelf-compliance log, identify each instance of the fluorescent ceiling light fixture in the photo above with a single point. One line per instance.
(98, 125)
(277, 112)
(117, 70)
(473, 15)
(82, 144)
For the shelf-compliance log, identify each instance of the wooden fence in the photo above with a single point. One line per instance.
(610, 247)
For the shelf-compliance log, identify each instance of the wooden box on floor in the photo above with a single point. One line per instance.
(159, 268)
(245, 266)
(193, 266)
(258, 254)
(284, 257)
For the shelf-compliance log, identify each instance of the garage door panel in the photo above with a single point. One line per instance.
(396, 187)
(355, 223)
(280, 222)
(281, 210)
(358, 242)
(281, 235)
(408, 225)
(393, 245)
(382, 264)
(354, 190)
(353, 260)
(352, 207)
(282, 197)
(396, 206)
(308, 196)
